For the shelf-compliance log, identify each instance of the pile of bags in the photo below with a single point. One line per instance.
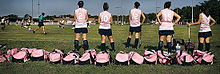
(104, 58)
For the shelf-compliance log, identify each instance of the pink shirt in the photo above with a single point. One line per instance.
(105, 22)
(135, 17)
(81, 18)
(204, 26)
(166, 19)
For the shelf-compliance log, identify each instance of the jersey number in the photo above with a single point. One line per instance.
(167, 17)
(80, 16)
(135, 16)
(105, 18)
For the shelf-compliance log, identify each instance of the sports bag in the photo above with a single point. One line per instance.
(56, 56)
(183, 58)
(2, 57)
(136, 58)
(21, 56)
(201, 57)
(150, 56)
(164, 57)
(71, 58)
(88, 57)
(102, 58)
(122, 58)
(38, 54)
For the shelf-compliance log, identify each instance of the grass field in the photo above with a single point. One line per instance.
(17, 37)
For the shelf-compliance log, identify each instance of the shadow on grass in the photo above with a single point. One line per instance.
(150, 47)
(132, 45)
(99, 47)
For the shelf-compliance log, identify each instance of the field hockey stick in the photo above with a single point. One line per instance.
(189, 33)
(140, 40)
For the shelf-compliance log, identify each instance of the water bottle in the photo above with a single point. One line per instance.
(178, 47)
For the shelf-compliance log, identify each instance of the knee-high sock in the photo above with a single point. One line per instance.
(128, 42)
(160, 45)
(103, 48)
(200, 46)
(136, 42)
(85, 44)
(169, 47)
(207, 46)
(76, 45)
(113, 45)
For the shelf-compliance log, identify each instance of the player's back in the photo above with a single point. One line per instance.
(81, 15)
(205, 20)
(204, 26)
(105, 17)
(135, 17)
(167, 17)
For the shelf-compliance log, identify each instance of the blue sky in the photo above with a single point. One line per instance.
(94, 7)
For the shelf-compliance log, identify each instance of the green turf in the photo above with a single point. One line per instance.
(17, 37)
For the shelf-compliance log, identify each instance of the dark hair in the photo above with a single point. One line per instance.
(43, 14)
(136, 4)
(80, 4)
(204, 10)
(167, 4)
(105, 6)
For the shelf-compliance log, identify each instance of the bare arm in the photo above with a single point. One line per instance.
(158, 17)
(74, 19)
(129, 17)
(213, 21)
(111, 20)
(143, 18)
(87, 17)
(99, 20)
(198, 22)
(178, 18)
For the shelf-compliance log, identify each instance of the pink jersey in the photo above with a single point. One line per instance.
(135, 17)
(81, 14)
(204, 26)
(105, 22)
(166, 19)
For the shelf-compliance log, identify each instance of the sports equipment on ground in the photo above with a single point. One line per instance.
(56, 56)
(71, 58)
(190, 46)
(103, 58)
(88, 57)
(122, 58)
(164, 57)
(201, 57)
(183, 58)
(136, 58)
(150, 56)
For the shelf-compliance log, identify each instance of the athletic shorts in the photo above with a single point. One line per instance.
(28, 25)
(166, 32)
(81, 30)
(2, 23)
(205, 34)
(135, 29)
(106, 32)
(41, 24)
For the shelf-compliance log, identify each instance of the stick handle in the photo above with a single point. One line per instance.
(189, 33)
